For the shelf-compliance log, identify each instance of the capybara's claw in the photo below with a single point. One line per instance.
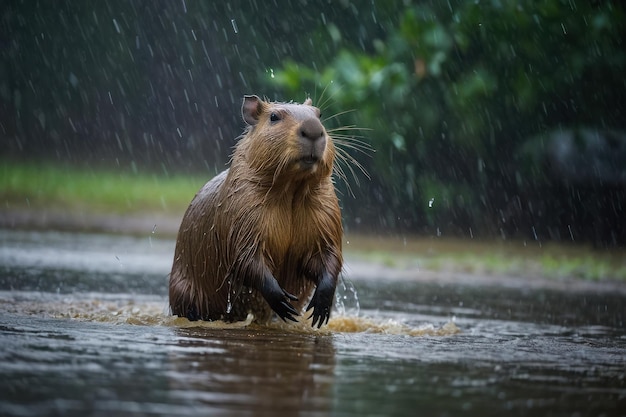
(287, 312)
(322, 301)
(279, 299)
(320, 314)
(290, 296)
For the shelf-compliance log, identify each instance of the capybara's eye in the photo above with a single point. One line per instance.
(274, 117)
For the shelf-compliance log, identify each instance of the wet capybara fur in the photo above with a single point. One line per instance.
(264, 235)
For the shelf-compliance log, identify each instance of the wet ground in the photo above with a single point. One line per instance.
(84, 330)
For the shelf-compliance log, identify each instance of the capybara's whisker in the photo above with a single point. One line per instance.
(336, 115)
(323, 103)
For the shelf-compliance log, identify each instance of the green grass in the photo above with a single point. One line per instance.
(497, 258)
(45, 185)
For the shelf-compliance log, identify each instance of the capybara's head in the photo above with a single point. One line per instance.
(285, 139)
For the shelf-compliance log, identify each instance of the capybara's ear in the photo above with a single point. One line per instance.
(251, 109)
(308, 102)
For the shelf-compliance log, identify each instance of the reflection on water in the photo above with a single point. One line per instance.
(253, 370)
(85, 330)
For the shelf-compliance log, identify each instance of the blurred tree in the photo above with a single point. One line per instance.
(454, 91)
(474, 107)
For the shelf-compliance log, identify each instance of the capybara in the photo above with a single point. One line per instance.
(264, 235)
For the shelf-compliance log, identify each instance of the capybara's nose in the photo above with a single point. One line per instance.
(311, 129)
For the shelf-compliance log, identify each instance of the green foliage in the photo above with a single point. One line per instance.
(459, 98)
(452, 91)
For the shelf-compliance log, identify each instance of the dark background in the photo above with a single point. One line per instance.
(487, 119)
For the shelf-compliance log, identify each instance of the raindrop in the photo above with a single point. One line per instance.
(42, 119)
(431, 202)
(117, 28)
(232, 21)
(481, 165)
(73, 80)
(229, 304)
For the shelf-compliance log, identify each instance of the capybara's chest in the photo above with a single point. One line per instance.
(289, 238)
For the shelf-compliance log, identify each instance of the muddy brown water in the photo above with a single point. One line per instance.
(84, 330)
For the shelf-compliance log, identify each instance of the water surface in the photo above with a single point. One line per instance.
(85, 330)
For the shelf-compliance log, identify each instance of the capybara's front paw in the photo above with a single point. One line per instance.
(279, 299)
(322, 301)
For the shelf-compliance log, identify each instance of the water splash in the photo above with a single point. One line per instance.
(371, 325)
(229, 303)
(154, 312)
(346, 298)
